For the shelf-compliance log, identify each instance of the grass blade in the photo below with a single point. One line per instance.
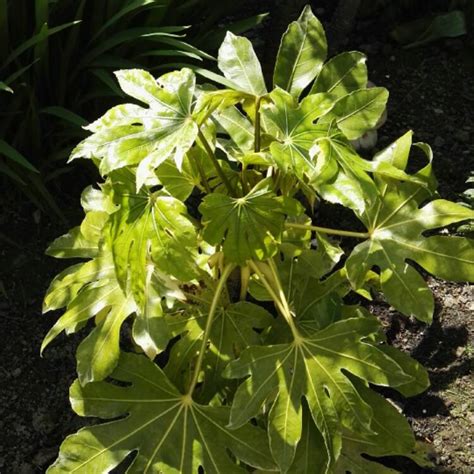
(14, 155)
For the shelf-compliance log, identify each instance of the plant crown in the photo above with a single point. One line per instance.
(202, 238)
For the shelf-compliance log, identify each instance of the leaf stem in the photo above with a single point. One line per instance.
(216, 164)
(212, 312)
(203, 176)
(277, 294)
(325, 230)
(257, 124)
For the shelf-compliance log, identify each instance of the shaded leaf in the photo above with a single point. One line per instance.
(397, 224)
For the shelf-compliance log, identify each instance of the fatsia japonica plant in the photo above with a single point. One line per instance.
(203, 244)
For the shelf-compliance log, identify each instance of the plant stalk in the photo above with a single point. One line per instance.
(216, 164)
(257, 125)
(278, 296)
(202, 174)
(325, 230)
(212, 312)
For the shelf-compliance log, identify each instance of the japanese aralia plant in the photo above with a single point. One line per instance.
(202, 239)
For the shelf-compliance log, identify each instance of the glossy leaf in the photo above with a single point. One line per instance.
(239, 64)
(397, 224)
(73, 244)
(342, 74)
(150, 229)
(294, 128)
(234, 330)
(165, 431)
(250, 226)
(301, 55)
(130, 135)
(312, 368)
(358, 112)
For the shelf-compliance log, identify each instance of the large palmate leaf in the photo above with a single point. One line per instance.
(239, 63)
(233, 331)
(150, 229)
(342, 74)
(166, 431)
(358, 112)
(250, 226)
(129, 134)
(396, 224)
(312, 367)
(294, 129)
(302, 52)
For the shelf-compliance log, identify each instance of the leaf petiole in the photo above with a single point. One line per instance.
(216, 164)
(212, 311)
(326, 230)
(277, 293)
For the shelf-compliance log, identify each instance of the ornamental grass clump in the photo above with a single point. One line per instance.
(202, 238)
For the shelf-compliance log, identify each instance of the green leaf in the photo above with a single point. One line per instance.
(5, 87)
(301, 54)
(166, 431)
(14, 155)
(150, 229)
(178, 183)
(392, 436)
(130, 135)
(237, 126)
(250, 226)
(66, 285)
(98, 354)
(65, 114)
(73, 245)
(312, 367)
(358, 112)
(342, 74)
(150, 330)
(239, 64)
(293, 126)
(233, 331)
(397, 223)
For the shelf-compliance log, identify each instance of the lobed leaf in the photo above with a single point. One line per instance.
(249, 227)
(166, 431)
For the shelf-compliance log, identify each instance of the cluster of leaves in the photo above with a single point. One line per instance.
(56, 63)
(200, 223)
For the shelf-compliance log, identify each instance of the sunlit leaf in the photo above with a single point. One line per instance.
(311, 367)
(239, 63)
(342, 74)
(397, 223)
(302, 53)
(165, 430)
(250, 226)
(359, 111)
